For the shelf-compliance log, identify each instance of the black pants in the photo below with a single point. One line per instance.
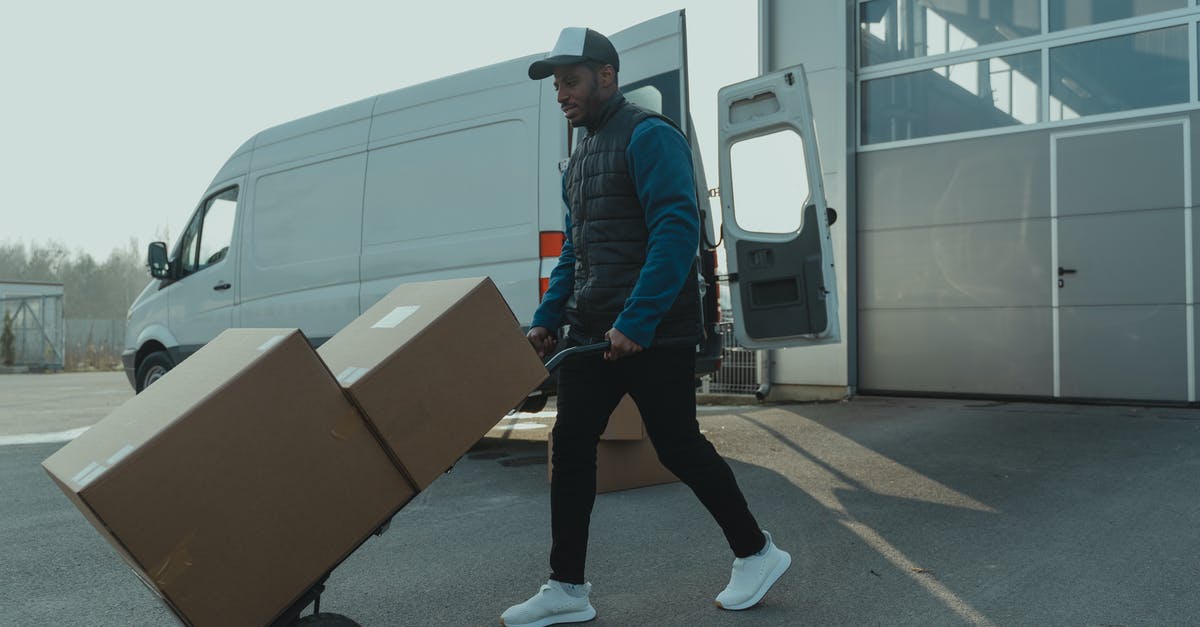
(662, 384)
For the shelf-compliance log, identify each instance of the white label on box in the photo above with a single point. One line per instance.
(275, 339)
(350, 375)
(121, 454)
(78, 478)
(398, 315)
(91, 476)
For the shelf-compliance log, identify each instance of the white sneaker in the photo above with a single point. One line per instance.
(550, 606)
(753, 576)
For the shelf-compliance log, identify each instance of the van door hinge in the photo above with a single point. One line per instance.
(714, 192)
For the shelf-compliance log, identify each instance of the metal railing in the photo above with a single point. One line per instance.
(738, 374)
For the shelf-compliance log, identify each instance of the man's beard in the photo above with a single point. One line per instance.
(594, 103)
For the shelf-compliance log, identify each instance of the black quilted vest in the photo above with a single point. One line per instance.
(608, 231)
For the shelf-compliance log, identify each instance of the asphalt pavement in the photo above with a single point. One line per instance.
(45, 404)
(896, 511)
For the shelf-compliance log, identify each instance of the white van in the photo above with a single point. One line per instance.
(311, 222)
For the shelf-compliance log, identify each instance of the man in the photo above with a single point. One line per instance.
(627, 273)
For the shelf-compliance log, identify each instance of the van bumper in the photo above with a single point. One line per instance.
(128, 359)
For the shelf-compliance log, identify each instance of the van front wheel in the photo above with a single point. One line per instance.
(152, 368)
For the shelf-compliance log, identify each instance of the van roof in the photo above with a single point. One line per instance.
(348, 125)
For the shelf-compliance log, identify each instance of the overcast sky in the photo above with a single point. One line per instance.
(116, 115)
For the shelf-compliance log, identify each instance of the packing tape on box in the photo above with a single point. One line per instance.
(350, 375)
(121, 453)
(273, 340)
(93, 470)
(347, 425)
(89, 474)
(175, 564)
(395, 317)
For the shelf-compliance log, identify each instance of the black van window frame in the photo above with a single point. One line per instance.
(190, 243)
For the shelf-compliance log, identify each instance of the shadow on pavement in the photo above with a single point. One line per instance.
(897, 512)
(999, 514)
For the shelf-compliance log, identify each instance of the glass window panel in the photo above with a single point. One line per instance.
(1135, 71)
(990, 93)
(188, 244)
(770, 182)
(891, 30)
(659, 92)
(217, 231)
(1072, 13)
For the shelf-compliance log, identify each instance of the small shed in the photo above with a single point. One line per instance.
(36, 313)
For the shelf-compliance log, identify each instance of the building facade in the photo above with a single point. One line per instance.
(1017, 184)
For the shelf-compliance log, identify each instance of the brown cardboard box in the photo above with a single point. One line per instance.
(236, 481)
(624, 464)
(434, 366)
(625, 423)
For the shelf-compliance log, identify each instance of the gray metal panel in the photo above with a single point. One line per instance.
(827, 29)
(990, 178)
(961, 351)
(781, 286)
(1195, 256)
(1195, 139)
(1130, 352)
(1123, 258)
(1121, 171)
(1195, 173)
(994, 264)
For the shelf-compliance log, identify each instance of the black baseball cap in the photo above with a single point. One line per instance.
(576, 45)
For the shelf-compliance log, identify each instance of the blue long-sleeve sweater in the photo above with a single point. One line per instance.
(660, 164)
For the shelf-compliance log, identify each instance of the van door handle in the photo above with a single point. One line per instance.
(1062, 271)
(222, 286)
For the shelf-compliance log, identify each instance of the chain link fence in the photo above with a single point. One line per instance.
(94, 343)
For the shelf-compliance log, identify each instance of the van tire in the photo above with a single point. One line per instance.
(152, 368)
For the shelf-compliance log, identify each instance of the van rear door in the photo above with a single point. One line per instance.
(774, 217)
(654, 65)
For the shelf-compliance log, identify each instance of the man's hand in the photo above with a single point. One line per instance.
(543, 341)
(621, 345)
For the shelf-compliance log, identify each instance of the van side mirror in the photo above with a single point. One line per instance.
(156, 260)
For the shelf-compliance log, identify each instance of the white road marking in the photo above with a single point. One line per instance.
(42, 438)
(520, 426)
(523, 415)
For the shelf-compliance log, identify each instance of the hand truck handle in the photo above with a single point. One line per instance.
(600, 347)
(567, 353)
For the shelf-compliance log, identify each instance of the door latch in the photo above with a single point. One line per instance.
(1061, 272)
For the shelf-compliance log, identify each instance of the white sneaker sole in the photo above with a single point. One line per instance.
(780, 568)
(582, 616)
